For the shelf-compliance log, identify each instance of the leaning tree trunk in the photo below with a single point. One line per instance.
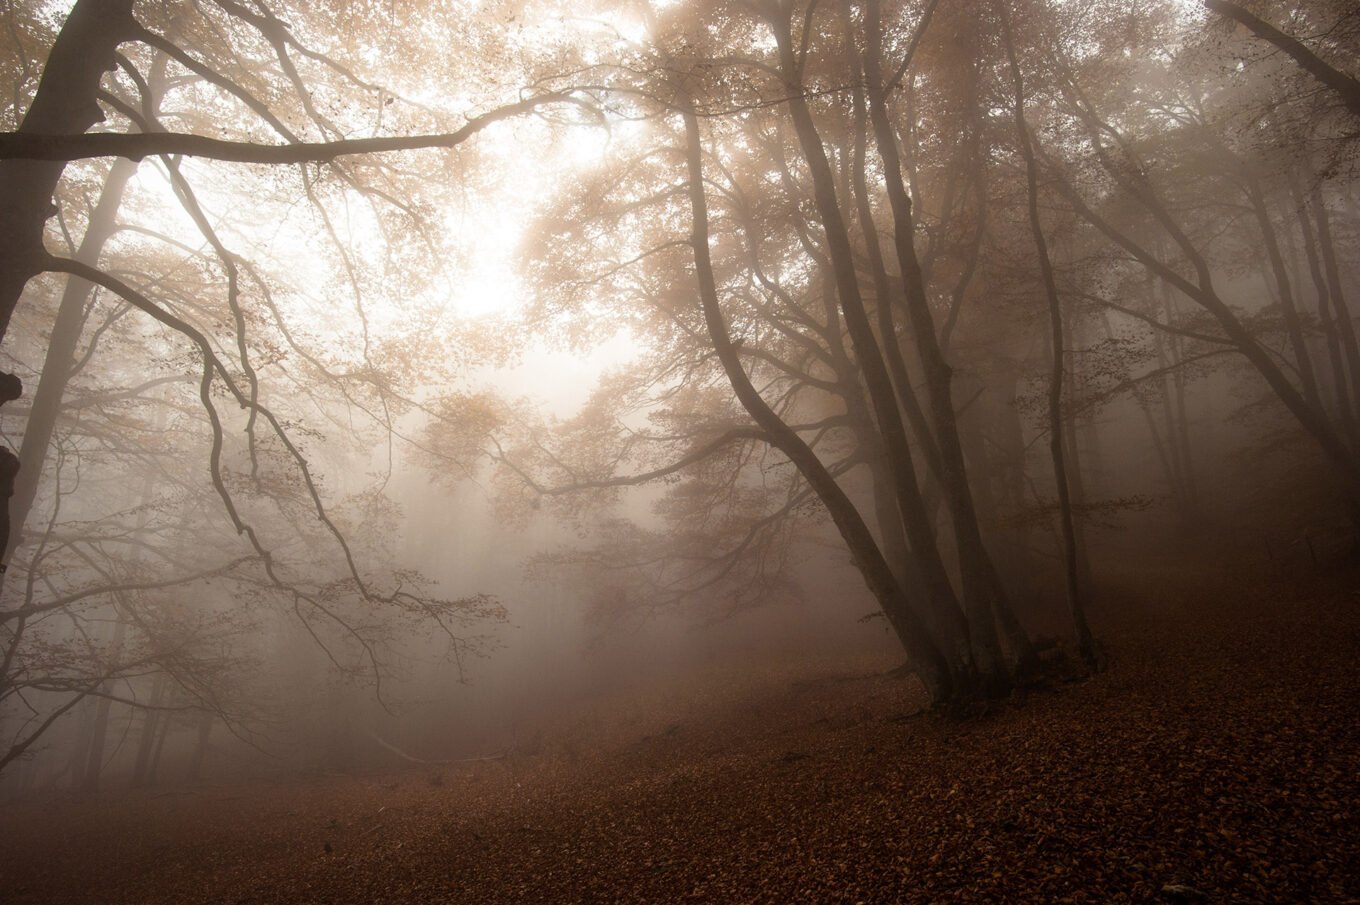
(952, 629)
(1202, 290)
(1346, 87)
(1303, 360)
(934, 669)
(58, 363)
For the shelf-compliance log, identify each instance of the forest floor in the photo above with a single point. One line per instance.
(1218, 760)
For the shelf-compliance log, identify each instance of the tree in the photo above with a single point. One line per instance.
(1347, 88)
(1055, 387)
(202, 297)
(786, 313)
(1124, 161)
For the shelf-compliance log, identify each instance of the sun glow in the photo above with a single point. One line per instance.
(524, 164)
(487, 282)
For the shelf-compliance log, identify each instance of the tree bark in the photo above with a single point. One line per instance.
(1203, 292)
(1294, 327)
(205, 725)
(93, 767)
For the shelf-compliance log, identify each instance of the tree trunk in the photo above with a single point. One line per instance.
(162, 733)
(80, 756)
(1076, 475)
(1331, 332)
(94, 762)
(952, 630)
(1345, 326)
(205, 725)
(932, 667)
(874, 371)
(984, 597)
(1178, 417)
(1346, 87)
(64, 104)
(1203, 292)
(61, 349)
(146, 740)
(1075, 598)
(1275, 257)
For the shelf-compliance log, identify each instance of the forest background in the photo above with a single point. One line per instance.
(740, 324)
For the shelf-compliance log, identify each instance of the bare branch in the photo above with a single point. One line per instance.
(26, 146)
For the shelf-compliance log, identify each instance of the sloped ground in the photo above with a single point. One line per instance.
(1218, 761)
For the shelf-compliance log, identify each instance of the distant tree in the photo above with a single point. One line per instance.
(1140, 162)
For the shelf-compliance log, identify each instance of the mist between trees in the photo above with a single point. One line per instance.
(383, 378)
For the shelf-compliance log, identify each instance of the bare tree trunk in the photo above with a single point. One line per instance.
(80, 754)
(951, 629)
(65, 103)
(1331, 332)
(61, 349)
(205, 725)
(1175, 451)
(162, 733)
(146, 740)
(877, 380)
(1345, 326)
(942, 616)
(1178, 417)
(1275, 257)
(887, 331)
(94, 762)
(1007, 437)
(1203, 292)
(1076, 473)
(984, 597)
(1075, 598)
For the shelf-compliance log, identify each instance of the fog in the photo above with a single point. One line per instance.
(423, 388)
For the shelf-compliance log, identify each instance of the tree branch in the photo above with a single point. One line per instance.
(1344, 85)
(19, 145)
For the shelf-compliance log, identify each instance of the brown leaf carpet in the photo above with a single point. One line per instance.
(1218, 760)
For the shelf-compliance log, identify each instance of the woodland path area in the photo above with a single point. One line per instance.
(1217, 761)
